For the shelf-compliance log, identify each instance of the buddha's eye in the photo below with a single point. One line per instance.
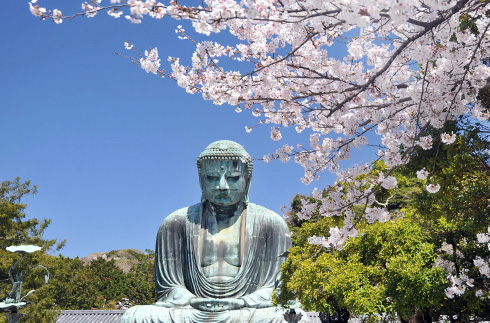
(211, 178)
(233, 178)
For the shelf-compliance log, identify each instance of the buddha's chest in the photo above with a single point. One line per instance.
(221, 249)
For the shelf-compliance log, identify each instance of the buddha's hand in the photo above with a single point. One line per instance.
(217, 304)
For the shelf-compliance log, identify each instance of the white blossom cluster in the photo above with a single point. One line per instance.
(425, 142)
(433, 188)
(387, 182)
(336, 240)
(484, 238)
(307, 209)
(376, 213)
(460, 283)
(483, 264)
(408, 66)
(36, 10)
(448, 138)
(447, 265)
(422, 174)
(151, 62)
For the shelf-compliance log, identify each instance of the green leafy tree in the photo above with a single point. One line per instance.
(17, 229)
(101, 284)
(141, 280)
(388, 268)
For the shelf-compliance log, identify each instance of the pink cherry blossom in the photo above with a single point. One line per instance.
(482, 266)
(307, 209)
(36, 10)
(433, 188)
(425, 142)
(388, 182)
(483, 237)
(422, 174)
(459, 284)
(448, 138)
(151, 62)
(114, 13)
(377, 214)
(245, 158)
(90, 10)
(276, 134)
(479, 293)
(57, 16)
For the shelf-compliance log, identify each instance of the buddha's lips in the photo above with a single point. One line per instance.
(222, 195)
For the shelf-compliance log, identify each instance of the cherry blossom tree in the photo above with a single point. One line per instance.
(454, 221)
(409, 64)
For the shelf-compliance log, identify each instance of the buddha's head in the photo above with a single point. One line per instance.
(225, 173)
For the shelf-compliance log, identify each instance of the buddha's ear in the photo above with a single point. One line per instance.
(203, 197)
(249, 182)
(247, 189)
(200, 180)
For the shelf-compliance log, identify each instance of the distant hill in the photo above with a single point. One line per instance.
(124, 258)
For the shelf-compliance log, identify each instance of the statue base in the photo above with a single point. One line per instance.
(158, 314)
(13, 317)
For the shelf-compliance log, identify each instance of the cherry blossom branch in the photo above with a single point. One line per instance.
(400, 49)
(402, 72)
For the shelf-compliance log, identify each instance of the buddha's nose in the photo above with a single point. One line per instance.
(223, 184)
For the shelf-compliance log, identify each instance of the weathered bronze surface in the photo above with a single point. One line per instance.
(218, 260)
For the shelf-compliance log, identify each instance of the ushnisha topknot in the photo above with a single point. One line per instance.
(226, 150)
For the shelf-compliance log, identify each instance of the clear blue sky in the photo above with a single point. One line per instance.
(113, 149)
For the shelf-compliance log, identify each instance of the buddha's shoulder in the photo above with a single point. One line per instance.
(264, 212)
(181, 215)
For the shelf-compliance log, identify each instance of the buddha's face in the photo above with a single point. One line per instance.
(223, 182)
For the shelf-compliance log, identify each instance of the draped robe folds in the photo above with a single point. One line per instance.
(178, 274)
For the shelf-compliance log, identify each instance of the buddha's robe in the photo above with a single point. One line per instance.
(179, 277)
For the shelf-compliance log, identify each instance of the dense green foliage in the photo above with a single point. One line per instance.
(16, 229)
(387, 269)
(73, 284)
(98, 285)
(391, 267)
